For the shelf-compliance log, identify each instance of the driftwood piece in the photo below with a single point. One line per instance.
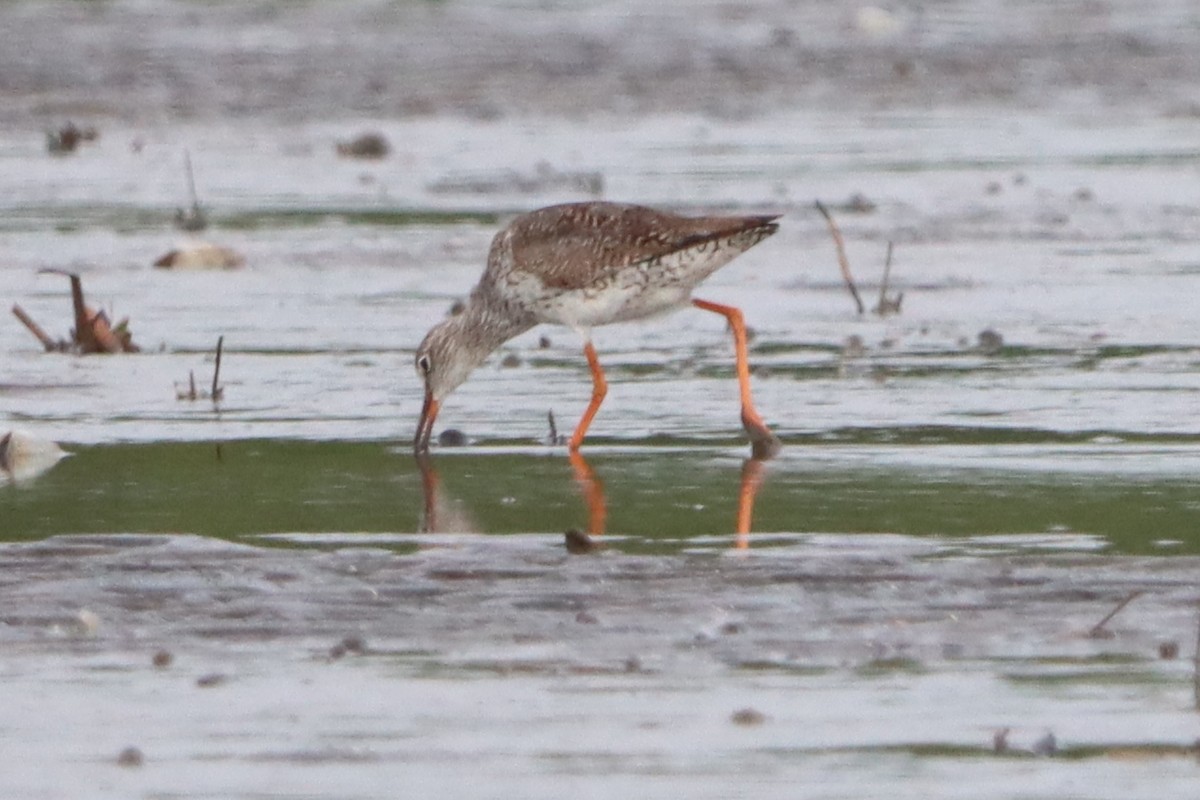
(43, 337)
(93, 333)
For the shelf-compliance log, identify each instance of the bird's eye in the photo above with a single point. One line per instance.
(424, 364)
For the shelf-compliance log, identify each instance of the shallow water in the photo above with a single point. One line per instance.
(928, 557)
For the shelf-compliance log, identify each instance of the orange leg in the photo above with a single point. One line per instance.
(764, 444)
(599, 389)
(593, 492)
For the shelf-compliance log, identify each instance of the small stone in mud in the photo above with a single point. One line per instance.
(354, 644)
(544, 343)
(510, 360)
(633, 664)
(210, 680)
(452, 437)
(1046, 746)
(130, 757)
(747, 717)
(586, 618)
(89, 622)
(1168, 651)
(162, 659)
(990, 341)
(366, 145)
(579, 543)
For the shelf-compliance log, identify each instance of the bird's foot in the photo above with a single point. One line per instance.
(764, 445)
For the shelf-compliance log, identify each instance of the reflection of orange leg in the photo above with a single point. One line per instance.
(752, 478)
(429, 487)
(599, 389)
(593, 492)
(764, 443)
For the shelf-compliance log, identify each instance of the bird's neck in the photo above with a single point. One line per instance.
(489, 322)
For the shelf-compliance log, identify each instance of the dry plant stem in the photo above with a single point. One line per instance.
(192, 384)
(1099, 626)
(191, 179)
(34, 328)
(216, 389)
(82, 329)
(843, 262)
(882, 308)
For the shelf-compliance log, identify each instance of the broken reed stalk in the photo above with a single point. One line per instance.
(553, 427)
(887, 273)
(888, 305)
(93, 332)
(217, 391)
(191, 179)
(34, 328)
(1097, 630)
(843, 262)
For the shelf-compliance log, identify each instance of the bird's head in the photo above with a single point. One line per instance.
(445, 358)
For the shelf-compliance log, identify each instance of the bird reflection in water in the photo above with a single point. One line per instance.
(440, 515)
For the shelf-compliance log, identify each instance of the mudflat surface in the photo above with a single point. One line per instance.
(498, 666)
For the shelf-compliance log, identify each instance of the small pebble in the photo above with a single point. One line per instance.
(210, 680)
(365, 145)
(131, 757)
(586, 618)
(544, 343)
(633, 664)
(1168, 651)
(162, 659)
(859, 203)
(89, 622)
(748, 717)
(579, 543)
(990, 341)
(1046, 746)
(510, 360)
(354, 644)
(452, 437)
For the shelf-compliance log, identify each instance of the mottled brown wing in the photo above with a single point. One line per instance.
(570, 246)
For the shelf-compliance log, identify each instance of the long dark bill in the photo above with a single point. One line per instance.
(425, 427)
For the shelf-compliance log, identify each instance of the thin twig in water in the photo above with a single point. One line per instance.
(553, 428)
(843, 262)
(888, 305)
(217, 391)
(1098, 631)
